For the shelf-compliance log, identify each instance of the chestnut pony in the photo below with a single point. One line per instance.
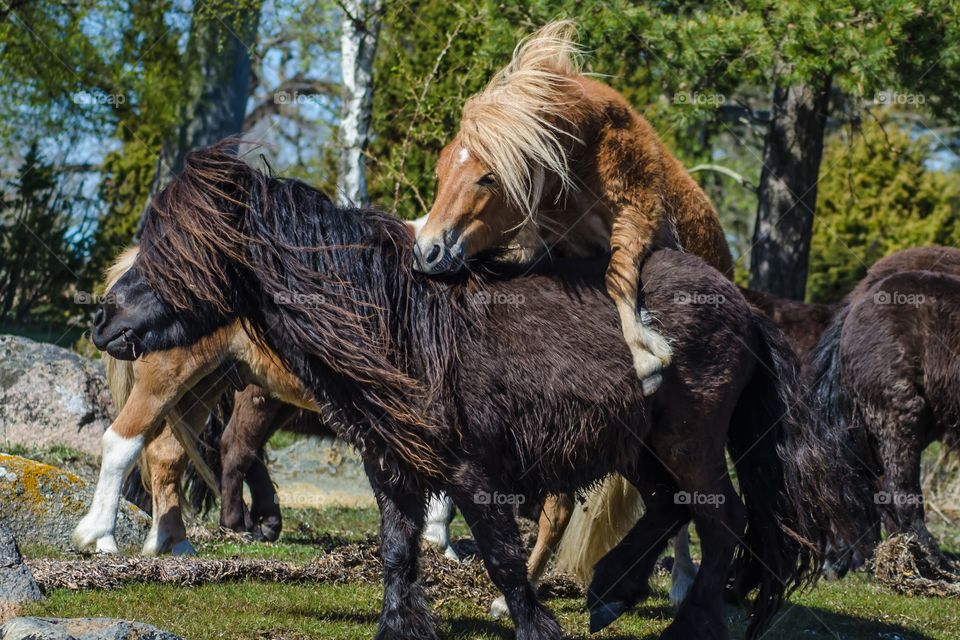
(380, 351)
(545, 144)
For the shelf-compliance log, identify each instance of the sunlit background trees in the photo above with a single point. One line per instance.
(825, 132)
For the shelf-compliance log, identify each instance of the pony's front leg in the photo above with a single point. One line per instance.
(440, 512)
(120, 446)
(554, 518)
(404, 613)
(495, 529)
(632, 237)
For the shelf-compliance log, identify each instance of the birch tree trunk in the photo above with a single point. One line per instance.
(788, 189)
(358, 45)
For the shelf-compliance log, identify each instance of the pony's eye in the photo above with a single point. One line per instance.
(487, 181)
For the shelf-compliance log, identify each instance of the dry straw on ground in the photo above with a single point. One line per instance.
(906, 566)
(443, 579)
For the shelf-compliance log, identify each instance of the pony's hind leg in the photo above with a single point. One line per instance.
(902, 498)
(720, 518)
(404, 614)
(621, 578)
(166, 459)
(255, 418)
(684, 570)
(495, 529)
(554, 518)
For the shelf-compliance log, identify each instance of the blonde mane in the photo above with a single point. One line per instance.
(514, 125)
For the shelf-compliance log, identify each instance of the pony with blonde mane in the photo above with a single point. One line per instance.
(547, 145)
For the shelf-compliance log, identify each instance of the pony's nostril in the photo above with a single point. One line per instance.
(435, 251)
(98, 317)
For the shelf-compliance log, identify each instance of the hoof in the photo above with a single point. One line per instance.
(829, 572)
(603, 615)
(499, 609)
(107, 545)
(87, 534)
(451, 554)
(269, 533)
(651, 384)
(679, 590)
(183, 548)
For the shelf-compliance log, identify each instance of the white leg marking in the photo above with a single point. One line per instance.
(684, 570)
(437, 530)
(651, 352)
(499, 608)
(100, 522)
(153, 543)
(107, 545)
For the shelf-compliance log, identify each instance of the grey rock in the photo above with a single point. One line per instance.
(81, 629)
(16, 582)
(43, 504)
(319, 472)
(51, 396)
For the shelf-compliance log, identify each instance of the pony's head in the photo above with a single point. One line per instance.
(191, 226)
(512, 149)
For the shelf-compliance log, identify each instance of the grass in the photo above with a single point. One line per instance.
(855, 608)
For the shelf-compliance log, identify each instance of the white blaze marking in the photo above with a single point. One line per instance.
(464, 155)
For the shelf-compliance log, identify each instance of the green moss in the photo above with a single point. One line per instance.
(38, 483)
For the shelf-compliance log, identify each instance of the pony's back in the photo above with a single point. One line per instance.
(900, 338)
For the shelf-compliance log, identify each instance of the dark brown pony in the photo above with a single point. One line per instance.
(487, 387)
(886, 374)
(803, 323)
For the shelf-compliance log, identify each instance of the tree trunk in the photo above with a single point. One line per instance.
(218, 65)
(358, 45)
(788, 189)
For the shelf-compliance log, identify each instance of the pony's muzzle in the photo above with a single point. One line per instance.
(438, 256)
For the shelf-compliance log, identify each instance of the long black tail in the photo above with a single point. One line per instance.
(789, 472)
(833, 411)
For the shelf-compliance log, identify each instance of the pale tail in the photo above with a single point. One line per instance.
(597, 525)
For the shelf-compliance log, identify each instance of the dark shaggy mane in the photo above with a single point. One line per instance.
(343, 276)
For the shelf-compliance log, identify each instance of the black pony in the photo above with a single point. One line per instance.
(489, 388)
(885, 374)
